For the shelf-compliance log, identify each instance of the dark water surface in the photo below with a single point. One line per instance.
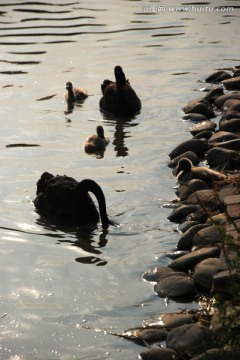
(58, 285)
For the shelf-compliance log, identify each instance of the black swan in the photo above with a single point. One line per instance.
(186, 171)
(119, 98)
(75, 93)
(96, 143)
(68, 200)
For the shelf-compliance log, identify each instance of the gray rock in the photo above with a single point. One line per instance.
(204, 273)
(220, 100)
(190, 260)
(180, 213)
(218, 219)
(158, 273)
(206, 134)
(152, 335)
(230, 125)
(213, 94)
(221, 136)
(175, 255)
(188, 154)
(206, 198)
(203, 126)
(158, 354)
(186, 189)
(200, 106)
(170, 321)
(217, 354)
(191, 339)
(221, 158)
(233, 144)
(195, 117)
(198, 146)
(145, 336)
(232, 84)
(186, 225)
(207, 236)
(218, 76)
(185, 241)
(231, 105)
(175, 287)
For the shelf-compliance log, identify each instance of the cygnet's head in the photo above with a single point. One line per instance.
(100, 131)
(184, 164)
(69, 85)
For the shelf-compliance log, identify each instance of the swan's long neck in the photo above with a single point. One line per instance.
(90, 185)
(120, 77)
(71, 95)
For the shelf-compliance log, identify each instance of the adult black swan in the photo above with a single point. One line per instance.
(67, 200)
(119, 98)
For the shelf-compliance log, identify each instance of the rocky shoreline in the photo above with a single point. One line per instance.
(205, 266)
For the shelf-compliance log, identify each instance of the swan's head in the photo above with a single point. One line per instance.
(69, 85)
(184, 164)
(100, 131)
(120, 76)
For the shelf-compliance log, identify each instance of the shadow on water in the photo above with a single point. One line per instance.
(71, 105)
(120, 134)
(87, 237)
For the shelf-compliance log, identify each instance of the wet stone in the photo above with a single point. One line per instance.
(212, 94)
(198, 146)
(205, 125)
(175, 287)
(185, 241)
(230, 144)
(188, 154)
(206, 134)
(176, 255)
(145, 336)
(170, 321)
(221, 158)
(218, 76)
(221, 136)
(181, 212)
(152, 335)
(158, 354)
(186, 226)
(157, 273)
(204, 273)
(191, 339)
(194, 117)
(200, 106)
(220, 101)
(230, 124)
(186, 189)
(190, 260)
(231, 105)
(232, 84)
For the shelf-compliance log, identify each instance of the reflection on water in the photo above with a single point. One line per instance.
(120, 134)
(84, 237)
